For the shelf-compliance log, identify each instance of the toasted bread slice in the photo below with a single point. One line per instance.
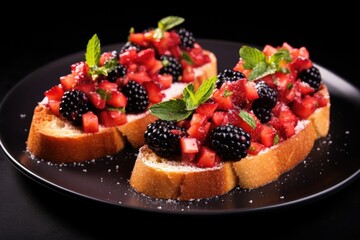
(57, 140)
(161, 178)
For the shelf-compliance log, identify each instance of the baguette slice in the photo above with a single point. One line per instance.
(161, 178)
(58, 141)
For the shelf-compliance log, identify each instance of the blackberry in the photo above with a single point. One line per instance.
(228, 75)
(164, 142)
(130, 45)
(171, 66)
(186, 37)
(73, 105)
(263, 114)
(267, 100)
(230, 142)
(117, 72)
(311, 76)
(137, 97)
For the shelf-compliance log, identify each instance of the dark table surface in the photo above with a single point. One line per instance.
(29, 210)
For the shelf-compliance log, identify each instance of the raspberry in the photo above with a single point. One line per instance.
(230, 142)
(162, 140)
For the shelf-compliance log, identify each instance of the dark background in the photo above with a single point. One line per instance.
(32, 38)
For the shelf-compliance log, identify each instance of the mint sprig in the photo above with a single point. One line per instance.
(179, 109)
(260, 64)
(92, 58)
(165, 24)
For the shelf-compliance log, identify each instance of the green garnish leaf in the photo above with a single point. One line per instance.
(105, 95)
(165, 24)
(187, 58)
(227, 93)
(93, 51)
(261, 65)
(121, 109)
(179, 109)
(248, 118)
(171, 110)
(276, 139)
(251, 56)
(170, 22)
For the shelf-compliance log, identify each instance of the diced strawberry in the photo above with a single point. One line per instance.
(267, 136)
(304, 88)
(222, 97)
(188, 158)
(139, 77)
(108, 86)
(322, 101)
(105, 56)
(199, 131)
(138, 38)
(128, 57)
(284, 120)
(90, 122)
(304, 108)
(239, 66)
(80, 71)
(271, 80)
(154, 66)
(188, 74)
(206, 109)
(198, 118)
(111, 118)
(206, 158)
(67, 82)
(85, 87)
(55, 93)
(117, 99)
(165, 80)
(255, 148)
(235, 119)
(300, 63)
(154, 91)
(145, 56)
(219, 118)
(189, 145)
(303, 52)
(251, 91)
(96, 100)
(54, 106)
(269, 50)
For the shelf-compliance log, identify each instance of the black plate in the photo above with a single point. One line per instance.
(333, 163)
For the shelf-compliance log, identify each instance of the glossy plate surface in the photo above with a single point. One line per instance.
(333, 163)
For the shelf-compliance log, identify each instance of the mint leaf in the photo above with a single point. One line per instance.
(261, 70)
(169, 22)
(251, 56)
(165, 24)
(105, 95)
(248, 118)
(286, 55)
(187, 58)
(179, 109)
(172, 110)
(93, 51)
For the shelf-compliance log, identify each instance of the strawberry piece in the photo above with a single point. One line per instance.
(139, 77)
(85, 87)
(55, 93)
(117, 99)
(267, 136)
(304, 108)
(207, 109)
(154, 92)
(255, 148)
(269, 50)
(54, 106)
(199, 131)
(236, 120)
(108, 86)
(322, 101)
(300, 63)
(90, 122)
(188, 74)
(138, 38)
(222, 98)
(189, 145)
(80, 71)
(96, 100)
(110, 118)
(165, 80)
(219, 118)
(67, 82)
(105, 56)
(198, 118)
(206, 158)
(128, 57)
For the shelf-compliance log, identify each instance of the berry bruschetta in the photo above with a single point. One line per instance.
(245, 127)
(103, 102)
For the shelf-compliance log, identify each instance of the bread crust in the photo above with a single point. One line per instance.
(47, 141)
(152, 176)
